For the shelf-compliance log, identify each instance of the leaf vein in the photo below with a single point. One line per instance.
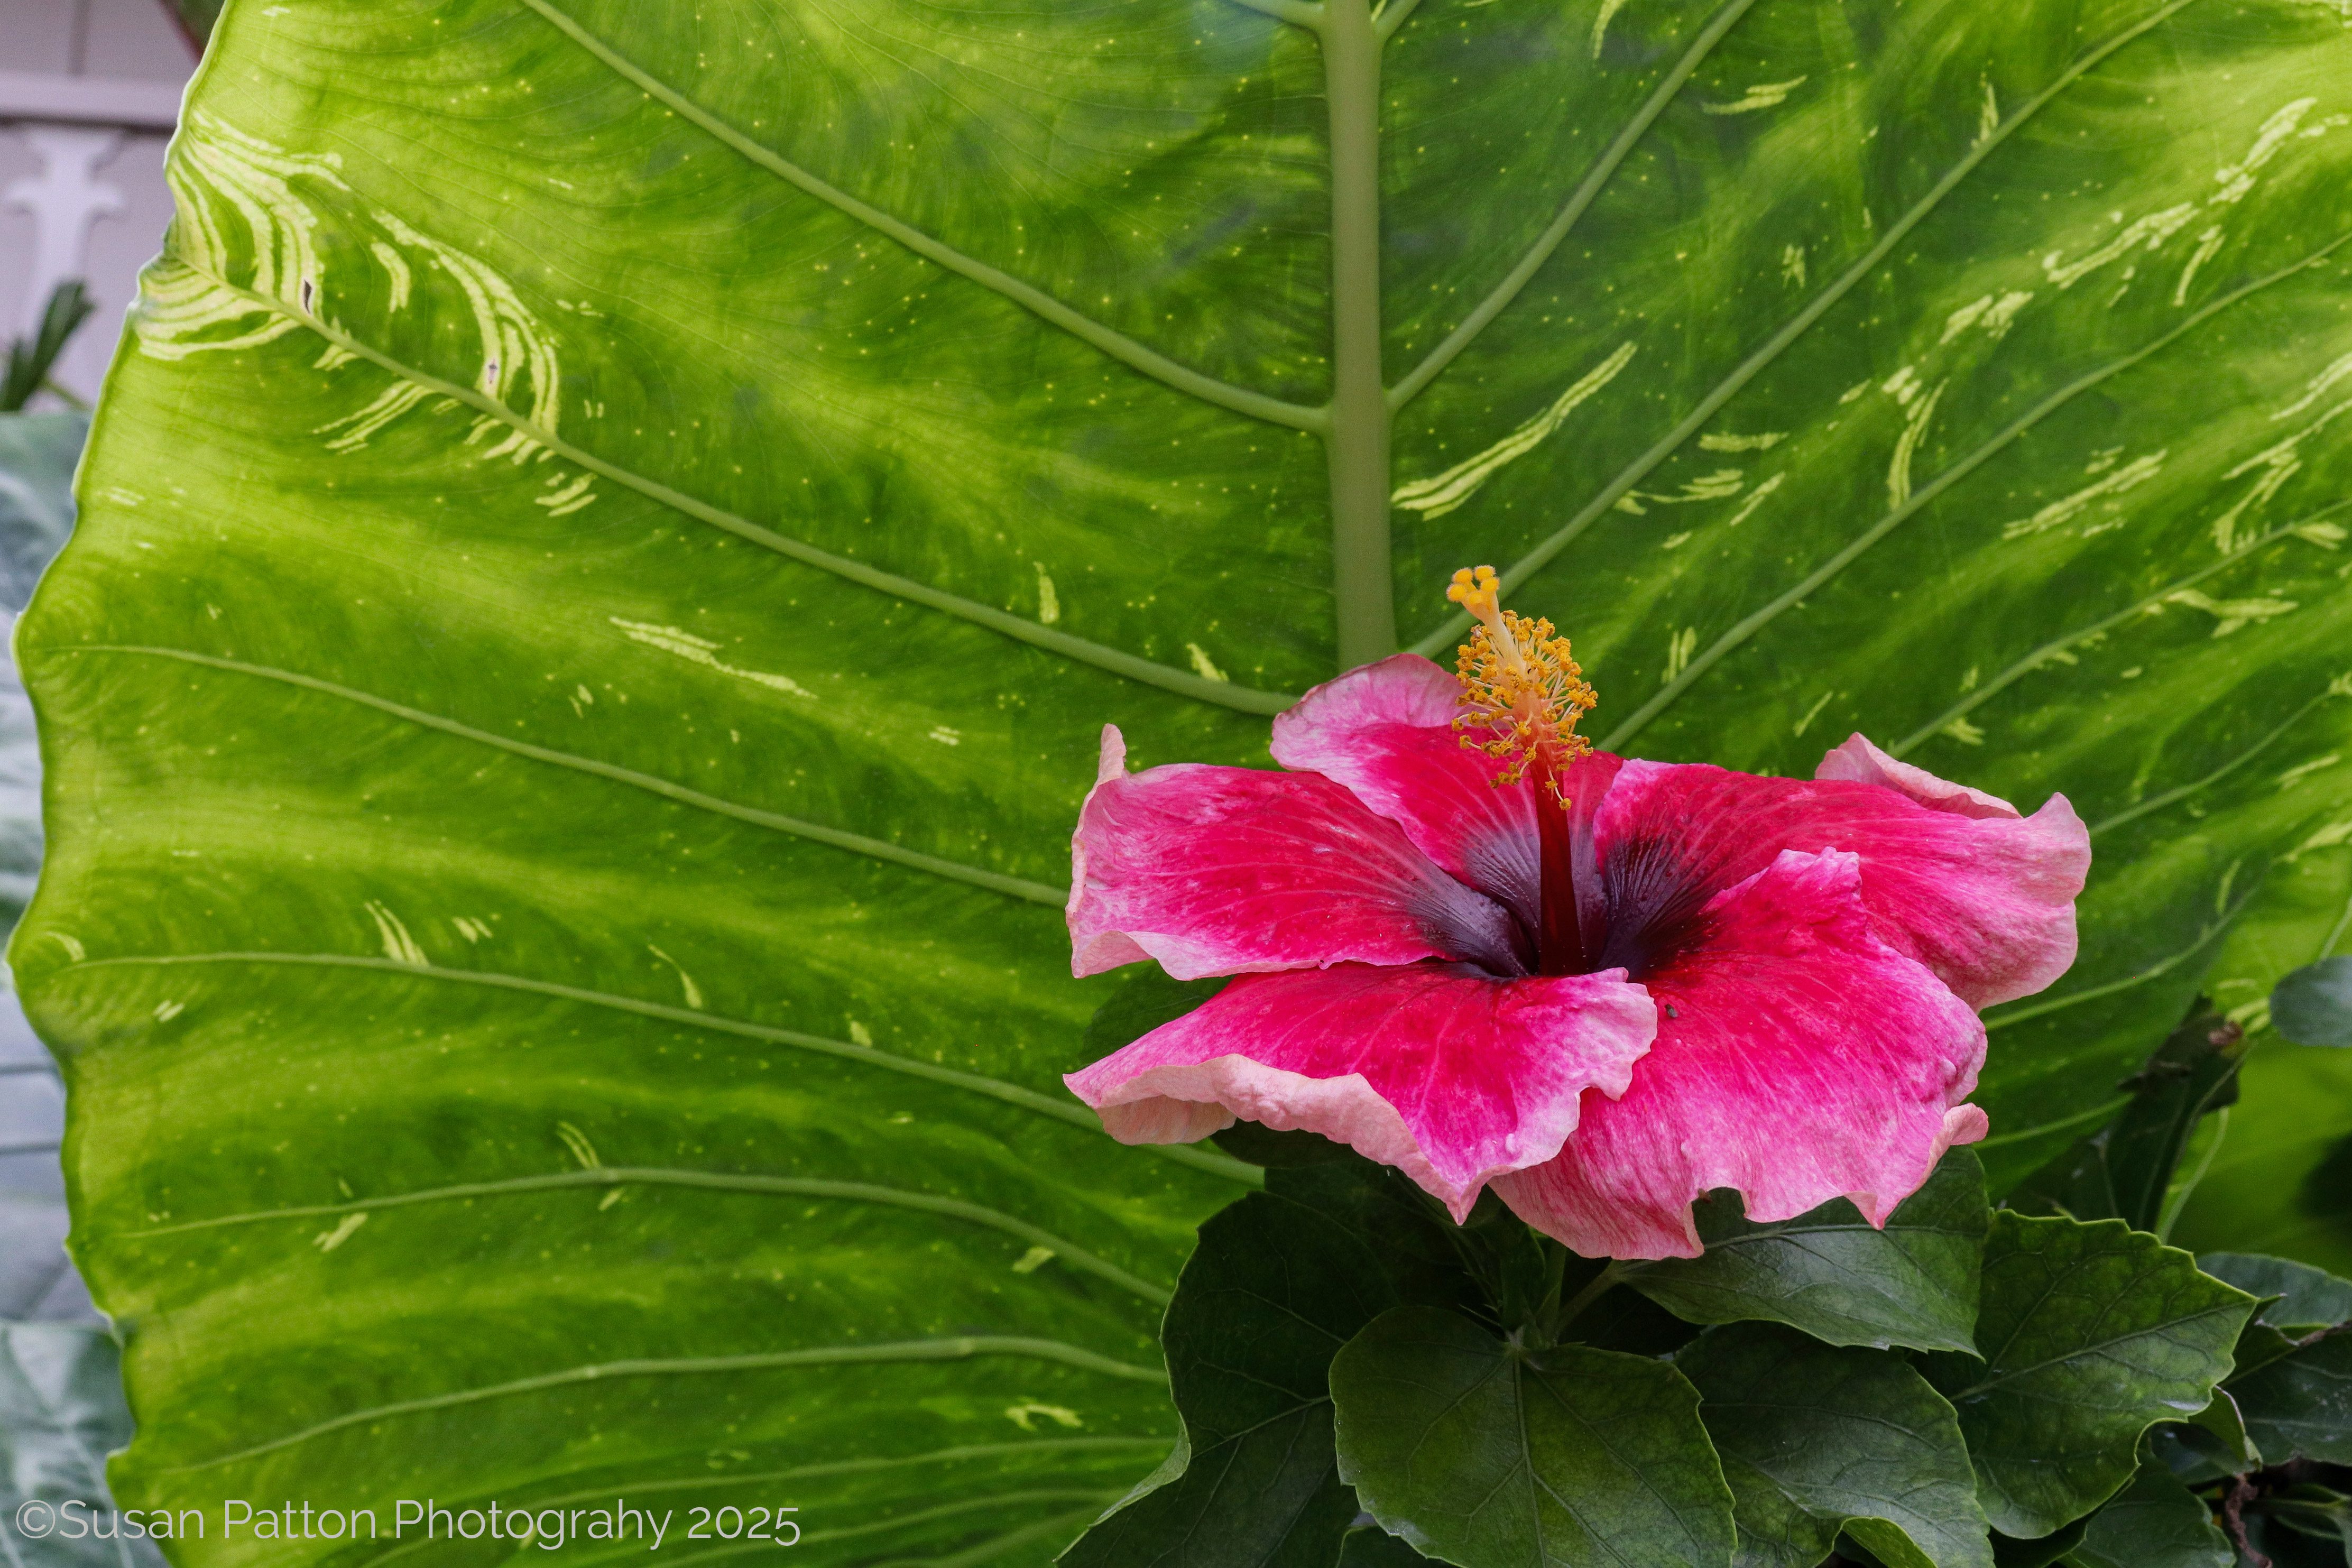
(977, 1083)
(857, 843)
(2036, 659)
(1079, 649)
(962, 1347)
(1108, 340)
(1952, 475)
(1588, 188)
(607, 1177)
(2092, 993)
(1798, 325)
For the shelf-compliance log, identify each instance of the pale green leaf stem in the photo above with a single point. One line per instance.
(1388, 15)
(1355, 443)
(1306, 14)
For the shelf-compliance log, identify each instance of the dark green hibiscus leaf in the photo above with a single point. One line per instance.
(1273, 1292)
(1268, 1149)
(1621, 1319)
(1374, 1548)
(1486, 1454)
(2299, 1404)
(1832, 1274)
(2306, 1520)
(2313, 1005)
(2040, 1551)
(1815, 1438)
(1467, 1269)
(2258, 1345)
(1431, 1261)
(2155, 1523)
(2124, 1170)
(2212, 1443)
(2306, 1298)
(2314, 1513)
(2198, 1458)
(2091, 1334)
(2301, 1533)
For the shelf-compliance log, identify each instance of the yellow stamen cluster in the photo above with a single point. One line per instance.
(1521, 693)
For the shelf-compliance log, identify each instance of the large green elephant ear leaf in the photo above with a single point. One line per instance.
(617, 528)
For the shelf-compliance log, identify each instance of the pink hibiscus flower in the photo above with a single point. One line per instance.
(1471, 948)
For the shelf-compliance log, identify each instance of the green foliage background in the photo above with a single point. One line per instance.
(614, 530)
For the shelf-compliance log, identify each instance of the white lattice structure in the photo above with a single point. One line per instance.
(89, 93)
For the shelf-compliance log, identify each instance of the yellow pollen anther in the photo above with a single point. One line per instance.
(1522, 694)
(1476, 590)
(1480, 591)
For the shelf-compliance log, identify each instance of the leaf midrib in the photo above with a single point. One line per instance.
(2093, 1348)
(1325, 420)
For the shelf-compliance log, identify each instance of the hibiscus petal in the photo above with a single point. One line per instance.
(1451, 1076)
(1952, 876)
(1217, 870)
(1386, 732)
(1799, 1059)
(1859, 762)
